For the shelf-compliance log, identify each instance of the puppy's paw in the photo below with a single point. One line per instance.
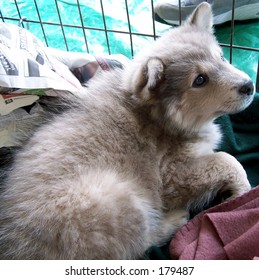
(235, 187)
(177, 218)
(239, 188)
(235, 181)
(239, 183)
(169, 225)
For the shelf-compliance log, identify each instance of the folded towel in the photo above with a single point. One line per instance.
(227, 231)
(241, 138)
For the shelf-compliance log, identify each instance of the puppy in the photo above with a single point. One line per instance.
(119, 170)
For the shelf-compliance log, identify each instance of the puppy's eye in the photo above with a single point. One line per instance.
(200, 81)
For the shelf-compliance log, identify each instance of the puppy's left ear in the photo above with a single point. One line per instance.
(202, 17)
(148, 79)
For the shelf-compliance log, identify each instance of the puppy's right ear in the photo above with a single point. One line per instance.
(202, 17)
(148, 79)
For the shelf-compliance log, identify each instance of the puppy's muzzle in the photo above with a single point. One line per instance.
(247, 88)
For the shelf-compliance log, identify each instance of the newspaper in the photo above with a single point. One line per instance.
(24, 63)
(27, 66)
(17, 125)
(29, 70)
(10, 102)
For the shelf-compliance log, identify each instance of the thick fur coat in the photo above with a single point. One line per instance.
(119, 170)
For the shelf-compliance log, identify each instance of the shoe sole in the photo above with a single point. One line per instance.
(241, 13)
(251, 12)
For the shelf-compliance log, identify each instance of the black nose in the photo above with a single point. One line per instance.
(247, 88)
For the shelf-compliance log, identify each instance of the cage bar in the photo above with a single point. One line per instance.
(129, 32)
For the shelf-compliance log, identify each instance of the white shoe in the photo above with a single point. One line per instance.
(168, 11)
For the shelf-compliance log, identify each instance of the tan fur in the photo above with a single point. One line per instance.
(118, 173)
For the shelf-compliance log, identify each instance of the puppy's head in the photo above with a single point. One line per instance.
(185, 78)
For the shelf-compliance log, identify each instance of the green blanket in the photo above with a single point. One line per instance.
(241, 138)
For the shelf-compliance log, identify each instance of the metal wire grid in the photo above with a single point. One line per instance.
(24, 22)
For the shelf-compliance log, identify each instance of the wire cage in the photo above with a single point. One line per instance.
(124, 27)
(81, 19)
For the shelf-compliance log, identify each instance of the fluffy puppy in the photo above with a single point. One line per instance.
(118, 172)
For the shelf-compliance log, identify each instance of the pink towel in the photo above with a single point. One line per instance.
(227, 231)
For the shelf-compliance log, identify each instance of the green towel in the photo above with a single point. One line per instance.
(241, 138)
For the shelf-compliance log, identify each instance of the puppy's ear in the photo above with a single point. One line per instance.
(149, 78)
(202, 17)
